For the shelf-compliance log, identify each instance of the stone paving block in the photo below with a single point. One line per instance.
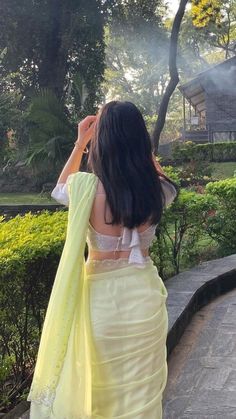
(204, 378)
(231, 380)
(180, 298)
(211, 402)
(207, 416)
(224, 344)
(174, 407)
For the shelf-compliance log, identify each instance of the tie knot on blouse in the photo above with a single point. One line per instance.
(130, 239)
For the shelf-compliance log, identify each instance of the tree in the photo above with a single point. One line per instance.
(49, 42)
(205, 12)
(218, 26)
(174, 77)
(55, 46)
(136, 40)
(51, 133)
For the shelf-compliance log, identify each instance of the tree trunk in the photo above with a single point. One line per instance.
(174, 77)
(53, 68)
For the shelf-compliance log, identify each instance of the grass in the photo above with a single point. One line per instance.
(25, 198)
(223, 170)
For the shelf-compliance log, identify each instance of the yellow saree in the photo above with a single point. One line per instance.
(67, 318)
(102, 352)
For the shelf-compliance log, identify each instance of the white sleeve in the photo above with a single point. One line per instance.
(60, 193)
(169, 191)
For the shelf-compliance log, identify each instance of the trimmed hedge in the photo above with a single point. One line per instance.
(30, 249)
(222, 226)
(218, 152)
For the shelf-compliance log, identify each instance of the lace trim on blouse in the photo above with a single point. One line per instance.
(104, 265)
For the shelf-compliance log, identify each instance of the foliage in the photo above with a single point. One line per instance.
(173, 174)
(222, 151)
(10, 116)
(222, 227)
(181, 228)
(9, 112)
(136, 63)
(194, 49)
(59, 47)
(217, 23)
(30, 250)
(49, 42)
(173, 122)
(195, 172)
(51, 133)
(205, 11)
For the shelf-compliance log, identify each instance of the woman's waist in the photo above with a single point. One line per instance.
(114, 254)
(94, 266)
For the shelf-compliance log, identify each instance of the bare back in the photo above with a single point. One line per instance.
(97, 222)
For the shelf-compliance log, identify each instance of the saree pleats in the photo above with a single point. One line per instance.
(130, 324)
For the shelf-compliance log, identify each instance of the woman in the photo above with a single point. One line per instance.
(126, 296)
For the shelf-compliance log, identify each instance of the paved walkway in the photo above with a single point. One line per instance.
(202, 367)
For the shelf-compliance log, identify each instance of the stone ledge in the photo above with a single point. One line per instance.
(193, 289)
(19, 412)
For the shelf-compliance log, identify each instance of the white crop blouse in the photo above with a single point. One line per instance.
(130, 238)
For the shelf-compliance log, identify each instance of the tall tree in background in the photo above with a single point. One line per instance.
(49, 42)
(54, 55)
(136, 56)
(174, 76)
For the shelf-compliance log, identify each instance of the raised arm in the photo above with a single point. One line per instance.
(85, 132)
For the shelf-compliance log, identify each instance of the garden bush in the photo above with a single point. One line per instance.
(30, 250)
(222, 225)
(219, 152)
(195, 173)
(181, 228)
(173, 174)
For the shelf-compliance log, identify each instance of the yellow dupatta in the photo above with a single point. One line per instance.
(67, 312)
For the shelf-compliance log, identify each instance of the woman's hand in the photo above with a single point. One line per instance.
(86, 130)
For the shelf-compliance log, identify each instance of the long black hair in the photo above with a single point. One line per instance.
(121, 156)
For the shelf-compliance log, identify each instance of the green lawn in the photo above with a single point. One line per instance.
(223, 170)
(25, 198)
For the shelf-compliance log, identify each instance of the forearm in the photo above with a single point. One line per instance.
(72, 165)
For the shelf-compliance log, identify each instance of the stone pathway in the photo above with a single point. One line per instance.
(202, 367)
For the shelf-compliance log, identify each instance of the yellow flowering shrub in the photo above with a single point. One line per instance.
(30, 250)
